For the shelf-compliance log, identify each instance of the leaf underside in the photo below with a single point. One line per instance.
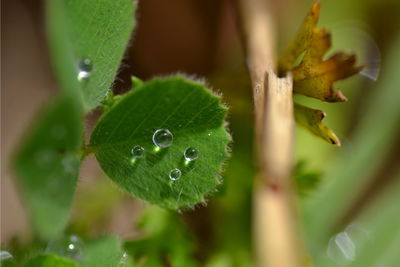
(195, 118)
(314, 76)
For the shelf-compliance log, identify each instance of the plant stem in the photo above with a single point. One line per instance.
(275, 233)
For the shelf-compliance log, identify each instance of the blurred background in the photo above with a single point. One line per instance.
(201, 38)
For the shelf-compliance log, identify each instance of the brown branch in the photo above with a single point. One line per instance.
(276, 237)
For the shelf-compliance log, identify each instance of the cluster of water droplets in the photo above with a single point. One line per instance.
(163, 138)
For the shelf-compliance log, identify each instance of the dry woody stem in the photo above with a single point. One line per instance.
(275, 233)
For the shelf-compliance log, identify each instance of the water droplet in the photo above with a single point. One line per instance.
(137, 152)
(5, 256)
(162, 138)
(354, 37)
(175, 174)
(341, 248)
(85, 68)
(191, 154)
(123, 262)
(70, 247)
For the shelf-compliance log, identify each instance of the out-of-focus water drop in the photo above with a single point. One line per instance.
(352, 38)
(85, 67)
(343, 247)
(123, 262)
(5, 256)
(67, 246)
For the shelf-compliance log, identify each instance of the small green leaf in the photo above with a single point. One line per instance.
(311, 119)
(93, 30)
(103, 252)
(50, 261)
(195, 118)
(47, 166)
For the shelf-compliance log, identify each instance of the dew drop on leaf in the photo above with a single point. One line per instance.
(85, 68)
(70, 247)
(137, 152)
(5, 255)
(123, 262)
(191, 154)
(162, 138)
(175, 174)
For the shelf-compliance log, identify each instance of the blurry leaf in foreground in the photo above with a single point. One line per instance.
(311, 119)
(306, 180)
(47, 166)
(50, 261)
(103, 252)
(166, 240)
(92, 35)
(187, 115)
(314, 77)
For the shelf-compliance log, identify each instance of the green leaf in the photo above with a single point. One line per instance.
(103, 252)
(195, 118)
(98, 30)
(47, 166)
(50, 261)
